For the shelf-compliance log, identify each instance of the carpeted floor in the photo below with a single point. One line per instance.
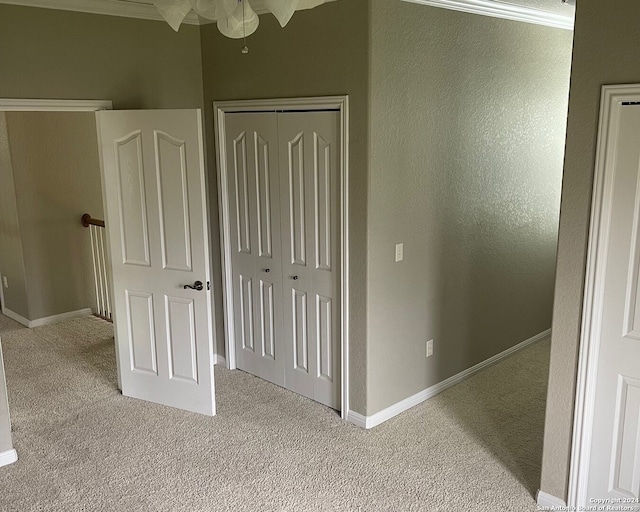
(82, 446)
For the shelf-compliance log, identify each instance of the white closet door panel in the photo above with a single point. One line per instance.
(252, 166)
(309, 158)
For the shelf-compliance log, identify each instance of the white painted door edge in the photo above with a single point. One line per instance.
(548, 501)
(220, 109)
(8, 457)
(613, 96)
(402, 406)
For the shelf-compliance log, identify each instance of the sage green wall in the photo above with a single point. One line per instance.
(5, 423)
(321, 52)
(11, 257)
(606, 51)
(69, 55)
(56, 170)
(468, 117)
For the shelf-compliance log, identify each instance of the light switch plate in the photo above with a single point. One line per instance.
(399, 252)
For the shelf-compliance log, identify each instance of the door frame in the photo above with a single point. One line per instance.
(45, 105)
(612, 99)
(339, 104)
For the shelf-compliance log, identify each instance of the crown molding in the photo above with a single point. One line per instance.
(506, 11)
(127, 9)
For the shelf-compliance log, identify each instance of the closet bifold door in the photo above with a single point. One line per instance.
(255, 213)
(309, 154)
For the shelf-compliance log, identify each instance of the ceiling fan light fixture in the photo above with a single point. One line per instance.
(228, 13)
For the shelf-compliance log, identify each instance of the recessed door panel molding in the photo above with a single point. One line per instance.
(142, 336)
(181, 338)
(132, 203)
(263, 193)
(632, 305)
(173, 200)
(241, 180)
(267, 320)
(297, 202)
(154, 191)
(300, 330)
(246, 312)
(625, 463)
(324, 337)
(323, 204)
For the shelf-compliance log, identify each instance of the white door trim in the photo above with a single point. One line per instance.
(33, 105)
(613, 97)
(220, 109)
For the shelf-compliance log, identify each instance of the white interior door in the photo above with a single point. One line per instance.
(309, 145)
(155, 205)
(614, 468)
(252, 163)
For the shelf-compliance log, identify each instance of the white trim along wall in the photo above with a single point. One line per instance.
(341, 104)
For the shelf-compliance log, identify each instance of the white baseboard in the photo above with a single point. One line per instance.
(47, 320)
(359, 420)
(218, 359)
(54, 319)
(8, 457)
(399, 407)
(15, 316)
(548, 501)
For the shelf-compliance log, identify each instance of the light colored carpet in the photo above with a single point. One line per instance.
(82, 446)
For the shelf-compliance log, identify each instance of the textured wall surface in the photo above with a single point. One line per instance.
(57, 179)
(606, 51)
(11, 257)
(322, 52)
(136, 63)
(467, 137)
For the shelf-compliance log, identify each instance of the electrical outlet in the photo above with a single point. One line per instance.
(429, 348)
(5, 282)
(399, 252)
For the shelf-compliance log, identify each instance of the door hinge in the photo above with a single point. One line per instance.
(208, 285)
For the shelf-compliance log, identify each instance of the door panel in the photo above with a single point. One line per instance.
(155, 206)
(173, 200)
(614, 468)
(181, 338)
(254, 209)
(132, 199)
(309, 155)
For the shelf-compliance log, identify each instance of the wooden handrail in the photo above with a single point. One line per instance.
(87, 221)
